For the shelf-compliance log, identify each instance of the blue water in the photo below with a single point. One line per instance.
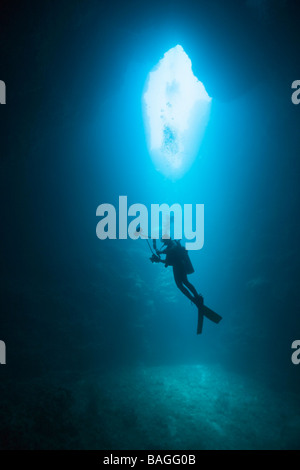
(102, 350)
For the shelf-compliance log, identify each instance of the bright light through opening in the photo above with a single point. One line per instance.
(176, 110)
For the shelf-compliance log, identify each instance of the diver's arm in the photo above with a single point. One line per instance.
(163, 252)
(163, 261)
(157, 259)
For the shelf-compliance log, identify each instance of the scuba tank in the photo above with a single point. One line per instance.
(185, 259)
(177, 255)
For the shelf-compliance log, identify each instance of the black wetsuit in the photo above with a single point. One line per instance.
(177, 257)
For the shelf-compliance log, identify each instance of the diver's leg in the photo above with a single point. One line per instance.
(190, 286)
(198, 297)
(179, 284)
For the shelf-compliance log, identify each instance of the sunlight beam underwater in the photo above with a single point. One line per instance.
(176, 110)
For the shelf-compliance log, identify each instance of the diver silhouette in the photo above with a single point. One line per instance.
(177, 257)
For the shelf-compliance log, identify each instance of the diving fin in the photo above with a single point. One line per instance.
(200, 321)
(210, 314)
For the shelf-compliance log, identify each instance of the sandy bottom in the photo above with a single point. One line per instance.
(185, 407)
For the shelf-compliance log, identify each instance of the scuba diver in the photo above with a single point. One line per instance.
(177, 256)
